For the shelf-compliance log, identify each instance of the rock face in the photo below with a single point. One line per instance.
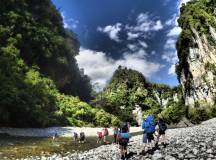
(197, 52)
(198, 142)
(201, 78)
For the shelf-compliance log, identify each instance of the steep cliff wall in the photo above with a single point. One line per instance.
(197, 51)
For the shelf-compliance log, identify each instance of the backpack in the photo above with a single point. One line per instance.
(123, 138)
(115, 131)
(149, 124)
(162, 126)
(82, 135)
(100, 135)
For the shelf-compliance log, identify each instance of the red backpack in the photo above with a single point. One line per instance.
(100, 135)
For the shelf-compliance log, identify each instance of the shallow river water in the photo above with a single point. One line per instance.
(21, 147)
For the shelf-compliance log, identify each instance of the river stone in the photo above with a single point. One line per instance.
(195, 151)
(209, 151)
(157, 156)
(214, 143)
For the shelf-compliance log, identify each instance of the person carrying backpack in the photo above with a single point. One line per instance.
(115, 133)
(105, 134)
(100, 137)
(148, 125)
(123, 139)
(75, 136)
(161, 131)
(82, 137)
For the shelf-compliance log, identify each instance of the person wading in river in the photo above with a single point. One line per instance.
(82, 137)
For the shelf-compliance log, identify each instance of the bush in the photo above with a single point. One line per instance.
(174, 112)
(201, 111)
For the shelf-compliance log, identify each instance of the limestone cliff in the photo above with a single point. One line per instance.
(197, 51)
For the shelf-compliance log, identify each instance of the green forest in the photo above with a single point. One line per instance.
(41, 84)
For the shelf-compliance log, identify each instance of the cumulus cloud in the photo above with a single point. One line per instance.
(112, 31)
(100, 68)
(145, 23)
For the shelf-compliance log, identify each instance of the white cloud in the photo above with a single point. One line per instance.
(143, 44)
(112, 31)
(132, 36)
(69, 22)
(172, 21)
(132, 47)
(174, 31)
(158, 26)
(170, 44)
(170, 56)
(100, 68)
(145, 23)
(171, 70)
(66, 25)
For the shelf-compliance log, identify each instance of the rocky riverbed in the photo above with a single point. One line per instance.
(197, 142)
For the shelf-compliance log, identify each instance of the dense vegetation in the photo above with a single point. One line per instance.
(38, 71)
(129, 88)
(41, 84)
(199, 16)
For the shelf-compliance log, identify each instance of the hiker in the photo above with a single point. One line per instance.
(100, 137)
(105, 134)
(82, 137)
(128, 124)
(148, 126)
(115, 133)
(161, 132)
(54, 136)
(75, 136)
(123, 139)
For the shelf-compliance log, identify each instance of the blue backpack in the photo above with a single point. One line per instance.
(123, 138)
(149, 124)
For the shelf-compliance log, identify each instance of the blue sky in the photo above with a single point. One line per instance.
(138, 34)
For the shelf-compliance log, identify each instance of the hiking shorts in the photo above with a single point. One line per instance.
(123, 144)
(161, 132)
(148, 137)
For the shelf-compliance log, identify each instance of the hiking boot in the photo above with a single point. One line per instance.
(156, 145)
(164, 145)
(122, 157)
